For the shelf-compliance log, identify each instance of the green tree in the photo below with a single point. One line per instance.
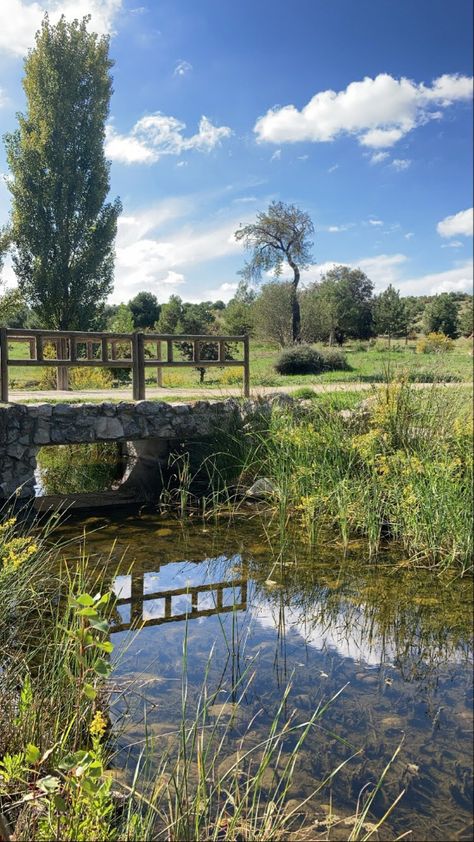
(122, 320)
(170, 314)
(273, 310)
(62, 229)
(239, 315)
(145, 310)
(390, 315)
(281, 235)
(344, 297)
(441, 315)
(465, 319)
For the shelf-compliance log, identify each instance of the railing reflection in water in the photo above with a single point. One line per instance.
(138, 600)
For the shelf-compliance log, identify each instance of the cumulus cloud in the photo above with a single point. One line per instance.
(375, 222)
(156, 246)
(385, 269)
(459, 224)
(379, 111)
(20, 19)
(157, 135)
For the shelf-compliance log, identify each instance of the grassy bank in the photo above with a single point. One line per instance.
(397, 466)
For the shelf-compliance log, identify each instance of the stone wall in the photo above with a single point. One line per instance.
(26, 428)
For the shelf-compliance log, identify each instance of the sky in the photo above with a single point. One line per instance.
(359, 113)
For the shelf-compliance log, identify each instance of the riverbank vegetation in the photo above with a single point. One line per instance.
(397, 466)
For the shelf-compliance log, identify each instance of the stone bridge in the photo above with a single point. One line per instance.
(148, 428)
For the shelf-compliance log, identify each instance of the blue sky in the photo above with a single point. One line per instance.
(358, 112)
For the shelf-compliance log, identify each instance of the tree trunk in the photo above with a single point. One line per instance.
(295, 304)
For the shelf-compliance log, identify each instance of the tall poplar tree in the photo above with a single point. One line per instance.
(62, 228)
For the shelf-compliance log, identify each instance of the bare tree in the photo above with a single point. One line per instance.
(281, 235)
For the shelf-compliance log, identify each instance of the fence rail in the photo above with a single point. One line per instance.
(137, 351)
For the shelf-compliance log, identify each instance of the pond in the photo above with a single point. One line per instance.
(393, 643)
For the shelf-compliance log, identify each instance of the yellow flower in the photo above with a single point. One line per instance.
(98, 725)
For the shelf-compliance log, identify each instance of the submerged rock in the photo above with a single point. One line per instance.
(262, 488)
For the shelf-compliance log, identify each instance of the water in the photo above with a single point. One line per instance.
(397, 641)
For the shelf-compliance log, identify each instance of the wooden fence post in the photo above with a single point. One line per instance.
(62, 372)
(4, 364)
(159, 370)
(246, 367)
(138, 369)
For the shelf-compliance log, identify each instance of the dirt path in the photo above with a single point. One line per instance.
(21, 395)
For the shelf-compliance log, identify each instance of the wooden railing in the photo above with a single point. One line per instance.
(136, 351)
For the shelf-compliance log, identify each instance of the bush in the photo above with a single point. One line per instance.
(301, 359)
(434, 343)
(90, 378)
(334, 360)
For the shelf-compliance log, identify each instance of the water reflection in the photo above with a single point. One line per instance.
(136, 607)
(398, 640)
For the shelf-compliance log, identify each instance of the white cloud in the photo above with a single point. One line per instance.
(276, 155)
(378, 157)
(244, 200)
(457, 279)
(401, 164)
(453, 244)
(156, 135)
(381, 138)
(152, 257)
(376, 222)
(379, 111)
(385, 269)
(459, 224)
(182, 68)
(409, 235)
(333, 168)
(20, 20)
(336, 229)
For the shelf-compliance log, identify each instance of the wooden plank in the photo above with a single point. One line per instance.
(4, 364)
(159, 370)
(246, 367)
(39, 347)
(79, 363)
(191, 363)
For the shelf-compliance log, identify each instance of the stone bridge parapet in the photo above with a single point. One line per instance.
(26, 428)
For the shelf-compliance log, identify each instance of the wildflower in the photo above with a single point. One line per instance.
(98, 725)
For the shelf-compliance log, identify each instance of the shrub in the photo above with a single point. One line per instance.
(334, 360)
(434, 343)
(301, 359)
(360, 347)
(90, 378)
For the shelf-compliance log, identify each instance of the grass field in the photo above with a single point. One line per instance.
(367, 365)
